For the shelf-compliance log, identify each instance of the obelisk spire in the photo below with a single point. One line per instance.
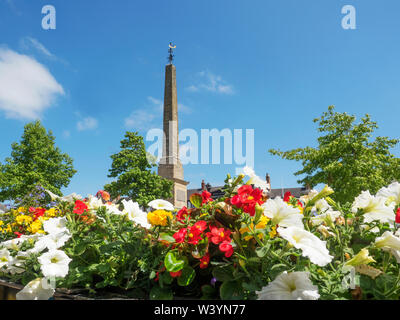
(170, 166)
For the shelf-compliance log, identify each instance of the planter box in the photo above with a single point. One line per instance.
(8, 291)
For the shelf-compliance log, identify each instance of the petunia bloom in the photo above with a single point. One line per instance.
(290, 286)
(310, 245)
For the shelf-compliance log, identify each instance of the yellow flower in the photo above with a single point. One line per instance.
(35, 227)
(260, 225)
(159, 217)
(1, 223)
(52, 212)
(21, 219)
(273, 232)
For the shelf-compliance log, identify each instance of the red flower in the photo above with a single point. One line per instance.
(176, 274)
(19, 234)
(247, 198)
(157, 276)
(194, 235)
(287, 196)
(37, 212)
(227, 248)
(180, 235)
(218, 235)
(103, 194)
(80, 207)
(182, 214)
(398, 216)
(204, 261)
(201, 225)
(206, 197)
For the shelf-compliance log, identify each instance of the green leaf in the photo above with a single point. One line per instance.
(261, 252)
(223, 273)
(157, 293)
(173, 263)
(231, 290)
(187, 276)
(166, 278)
(196, 199)
(167, 237)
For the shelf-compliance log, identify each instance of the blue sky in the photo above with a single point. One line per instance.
(271, 66)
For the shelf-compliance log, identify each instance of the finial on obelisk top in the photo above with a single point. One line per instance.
(171, 52)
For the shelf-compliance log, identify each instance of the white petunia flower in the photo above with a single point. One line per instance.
(70, 198)
(54, 263)
(135, 214)
(311, 246)
(35, 290)
(256, 180)
(308, 196)
(15, 243)
(290, 286)
(282, 214)
(374, 208)
(326, 233)
(55, 225)
(390, 193)
(328, 217)
(360, 258)
(388, 241)
(5, 258)
(161, 204)
(94, 203)
(51, 242)
(113, 209)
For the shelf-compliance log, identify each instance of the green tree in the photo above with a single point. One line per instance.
(347, 158)
(35, 160)
(133, 172)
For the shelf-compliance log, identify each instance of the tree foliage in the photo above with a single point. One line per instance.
(34, 161)
(133, 172)
(347, 158)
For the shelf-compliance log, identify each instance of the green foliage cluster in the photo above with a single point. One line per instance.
(34, 161)
(346, 158)
(132, 169)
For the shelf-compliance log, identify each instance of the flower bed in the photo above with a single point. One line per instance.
(241, 246)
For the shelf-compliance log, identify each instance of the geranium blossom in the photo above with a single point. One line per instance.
(282, 214)
(34, 290)
(218, 235)
(311, 246)
(374, 208)
(54, 263)
(247, 198)
(290, 286)
(80, 207)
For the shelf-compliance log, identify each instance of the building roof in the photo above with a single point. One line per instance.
(217, 192)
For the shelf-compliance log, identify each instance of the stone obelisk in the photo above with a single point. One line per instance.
(170, 166)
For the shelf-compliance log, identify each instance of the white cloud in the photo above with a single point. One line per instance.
(212, 83)
(27, 88)
(140, 119)
(27, 42)
(87, 123)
